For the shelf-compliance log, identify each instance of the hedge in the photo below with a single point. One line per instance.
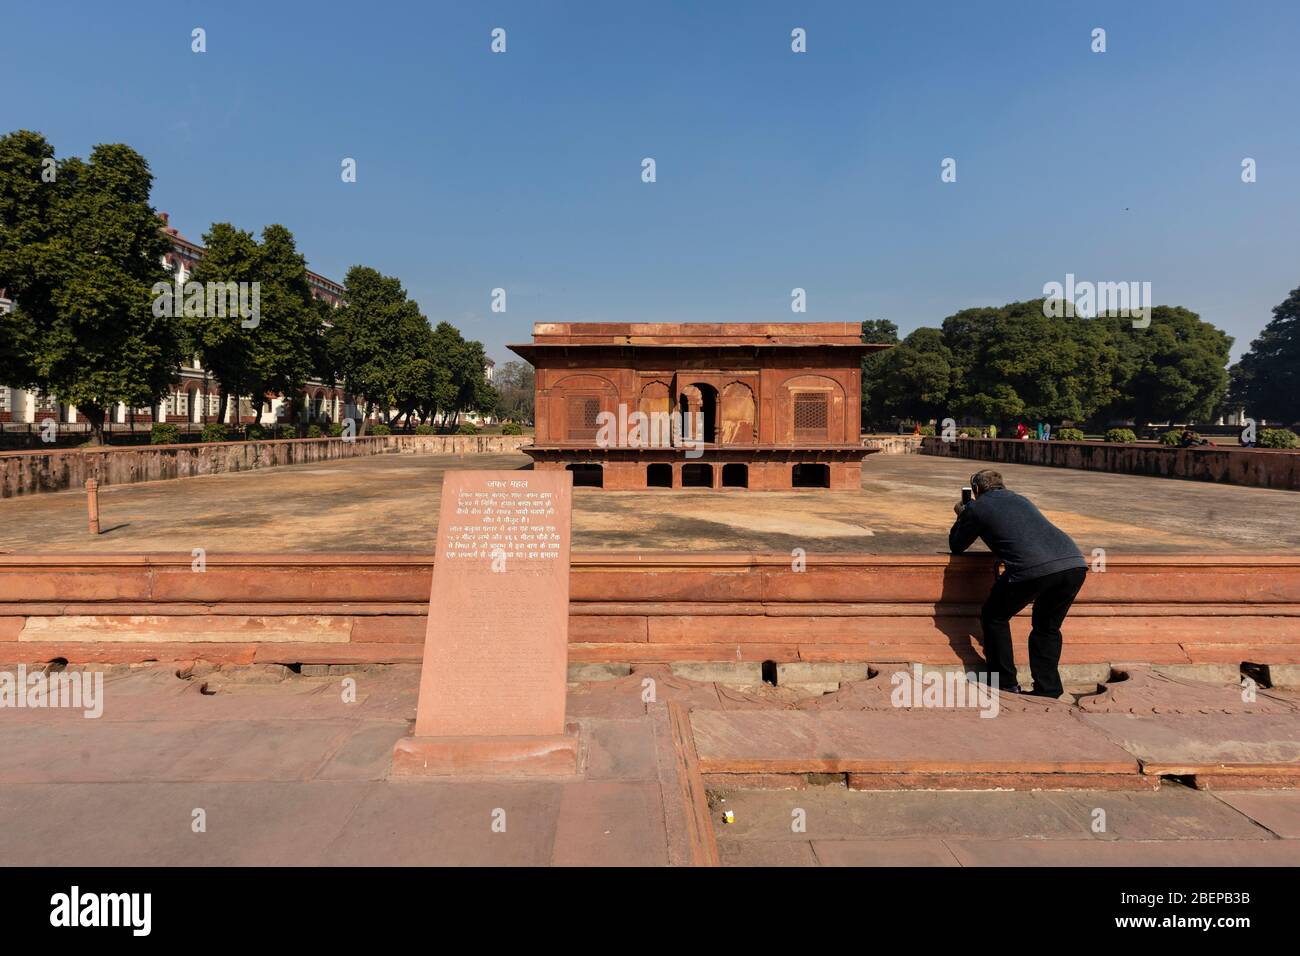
(1278, 438)
(164, 433)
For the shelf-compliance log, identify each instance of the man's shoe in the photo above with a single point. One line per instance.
(1042, 693)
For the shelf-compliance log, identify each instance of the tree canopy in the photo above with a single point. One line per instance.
(515, 386)
(1267, 379)
(275, 351)
(1016, 362)
(80, 252)
(382, 346)
(913, 380)
(877, 331)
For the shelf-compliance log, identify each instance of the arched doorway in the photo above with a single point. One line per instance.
(698, 404)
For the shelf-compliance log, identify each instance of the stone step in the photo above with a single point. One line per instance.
(918, 742)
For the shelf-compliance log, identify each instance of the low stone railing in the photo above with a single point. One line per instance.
(893, 444)
(33, 472)
(1257, 467)
(638, 607)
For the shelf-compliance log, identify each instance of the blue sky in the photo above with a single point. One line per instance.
(775, 170)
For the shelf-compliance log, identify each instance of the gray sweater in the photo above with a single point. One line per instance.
(1017, 533)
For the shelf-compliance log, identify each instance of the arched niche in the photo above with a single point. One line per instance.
(574, 403)
(812, 410)
(739, 414)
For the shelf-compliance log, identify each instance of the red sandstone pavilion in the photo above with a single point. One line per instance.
(767, 406)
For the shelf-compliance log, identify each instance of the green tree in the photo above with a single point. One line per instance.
(285, 339)
(1267, 379)
(442, 398)
(80, 252)
(1174, 370)
(357, 341)
(515, 384)
(466, 387)
(414, 371)
(1016, 362)
(880, 332)
(473, 391)
(915, 379)
(26, 232)
(381, 345)
(223, 345)
(435, 386)
(274, 352)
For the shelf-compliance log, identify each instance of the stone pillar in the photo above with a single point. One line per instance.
(92, 503)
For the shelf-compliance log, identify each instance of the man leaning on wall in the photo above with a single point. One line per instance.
(1041, 566)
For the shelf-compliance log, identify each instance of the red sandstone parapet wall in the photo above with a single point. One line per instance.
(1257, 467)
(630, 607)
(32, 472)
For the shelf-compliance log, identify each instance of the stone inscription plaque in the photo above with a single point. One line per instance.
(496, 649)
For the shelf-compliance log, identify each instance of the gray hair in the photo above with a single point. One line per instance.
(986, 480)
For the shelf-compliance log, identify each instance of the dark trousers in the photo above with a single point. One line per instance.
(1052, 596)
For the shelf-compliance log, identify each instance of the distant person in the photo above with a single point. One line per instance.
(1042, 566)
(1021, 431)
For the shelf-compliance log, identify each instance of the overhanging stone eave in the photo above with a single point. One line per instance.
(531, 351)
(842, 452)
